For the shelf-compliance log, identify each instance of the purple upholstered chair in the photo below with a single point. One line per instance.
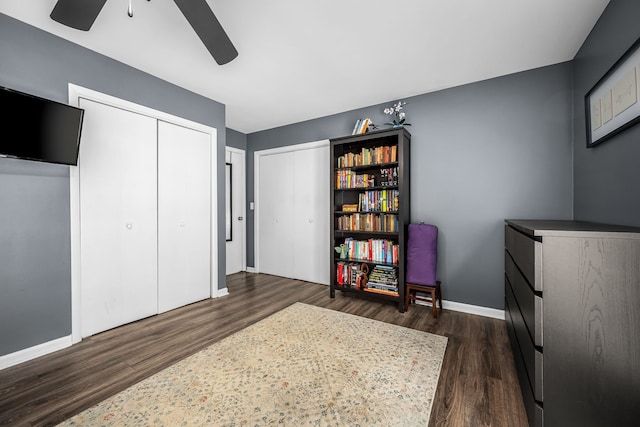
(422, 258)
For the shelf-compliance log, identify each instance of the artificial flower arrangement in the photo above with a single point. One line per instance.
(400, 116)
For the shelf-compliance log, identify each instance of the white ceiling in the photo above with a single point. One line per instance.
(303, 59)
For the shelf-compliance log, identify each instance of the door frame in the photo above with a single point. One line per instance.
(243, 199)
(75, 94)
(256, 187)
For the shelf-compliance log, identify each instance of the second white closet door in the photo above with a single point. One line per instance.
(184, 215)
(311, 215)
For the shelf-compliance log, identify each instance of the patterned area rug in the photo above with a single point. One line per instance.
(304, 365)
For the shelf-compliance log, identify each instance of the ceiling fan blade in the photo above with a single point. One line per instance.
(78, 14)
(208, 28)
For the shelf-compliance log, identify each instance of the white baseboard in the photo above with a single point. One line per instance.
(35, 351)
(470, 309)
(454, 306)
(221, 292)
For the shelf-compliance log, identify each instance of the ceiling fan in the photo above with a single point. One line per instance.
(80, 14)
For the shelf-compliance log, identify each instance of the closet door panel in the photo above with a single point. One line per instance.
(184, 216)
(275, 220)
(118, 221)
(311, 215)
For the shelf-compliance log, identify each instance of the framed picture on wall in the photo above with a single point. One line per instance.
(613, 104)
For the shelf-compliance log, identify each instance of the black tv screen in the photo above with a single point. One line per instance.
(39, 129)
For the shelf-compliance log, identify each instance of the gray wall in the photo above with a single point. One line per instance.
(236, 139)
(482, 152)
(35, 254)
(607, 176)
(35, 288)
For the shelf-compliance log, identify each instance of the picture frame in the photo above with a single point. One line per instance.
(613, 104)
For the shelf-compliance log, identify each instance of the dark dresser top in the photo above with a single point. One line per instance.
(537, 227)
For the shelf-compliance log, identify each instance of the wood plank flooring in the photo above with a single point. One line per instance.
(478, 384)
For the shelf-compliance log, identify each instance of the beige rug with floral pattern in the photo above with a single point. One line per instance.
(304, 365)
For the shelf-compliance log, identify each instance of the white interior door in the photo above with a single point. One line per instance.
(184, 216)
(236, 256)
(275, 214)
(118, 221)
(311, 215)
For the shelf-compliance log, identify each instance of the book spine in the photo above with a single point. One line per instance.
(356, 127)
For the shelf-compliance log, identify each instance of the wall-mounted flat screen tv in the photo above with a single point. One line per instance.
(35, 128)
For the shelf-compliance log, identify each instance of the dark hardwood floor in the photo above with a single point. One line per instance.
(478, 384)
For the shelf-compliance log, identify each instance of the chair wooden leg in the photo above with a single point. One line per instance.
(436, 296)
(434, 309)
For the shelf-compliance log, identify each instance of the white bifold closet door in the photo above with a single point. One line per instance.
(184, 216)
(312, 215)
(275, 184)
(118, 220)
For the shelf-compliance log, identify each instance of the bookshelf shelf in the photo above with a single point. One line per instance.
(370, 210)
(346, 233)
(393, 187)
(370, 293)
(360, 261)
(369, 166)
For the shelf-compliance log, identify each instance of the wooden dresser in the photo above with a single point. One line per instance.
(572, 307)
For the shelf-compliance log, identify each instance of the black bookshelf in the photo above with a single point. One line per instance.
(370, 212)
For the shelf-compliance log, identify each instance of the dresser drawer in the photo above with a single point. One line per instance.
(529, 303)
(534, 410)
(531, 357)
(527, 254)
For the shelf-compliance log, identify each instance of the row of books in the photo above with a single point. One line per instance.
(368, 222)
(369, 156)
(347, 273)
(346, 178)
(379, 201)
(375, 250)
(361, 126)
(384, 278)
(388, 176)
